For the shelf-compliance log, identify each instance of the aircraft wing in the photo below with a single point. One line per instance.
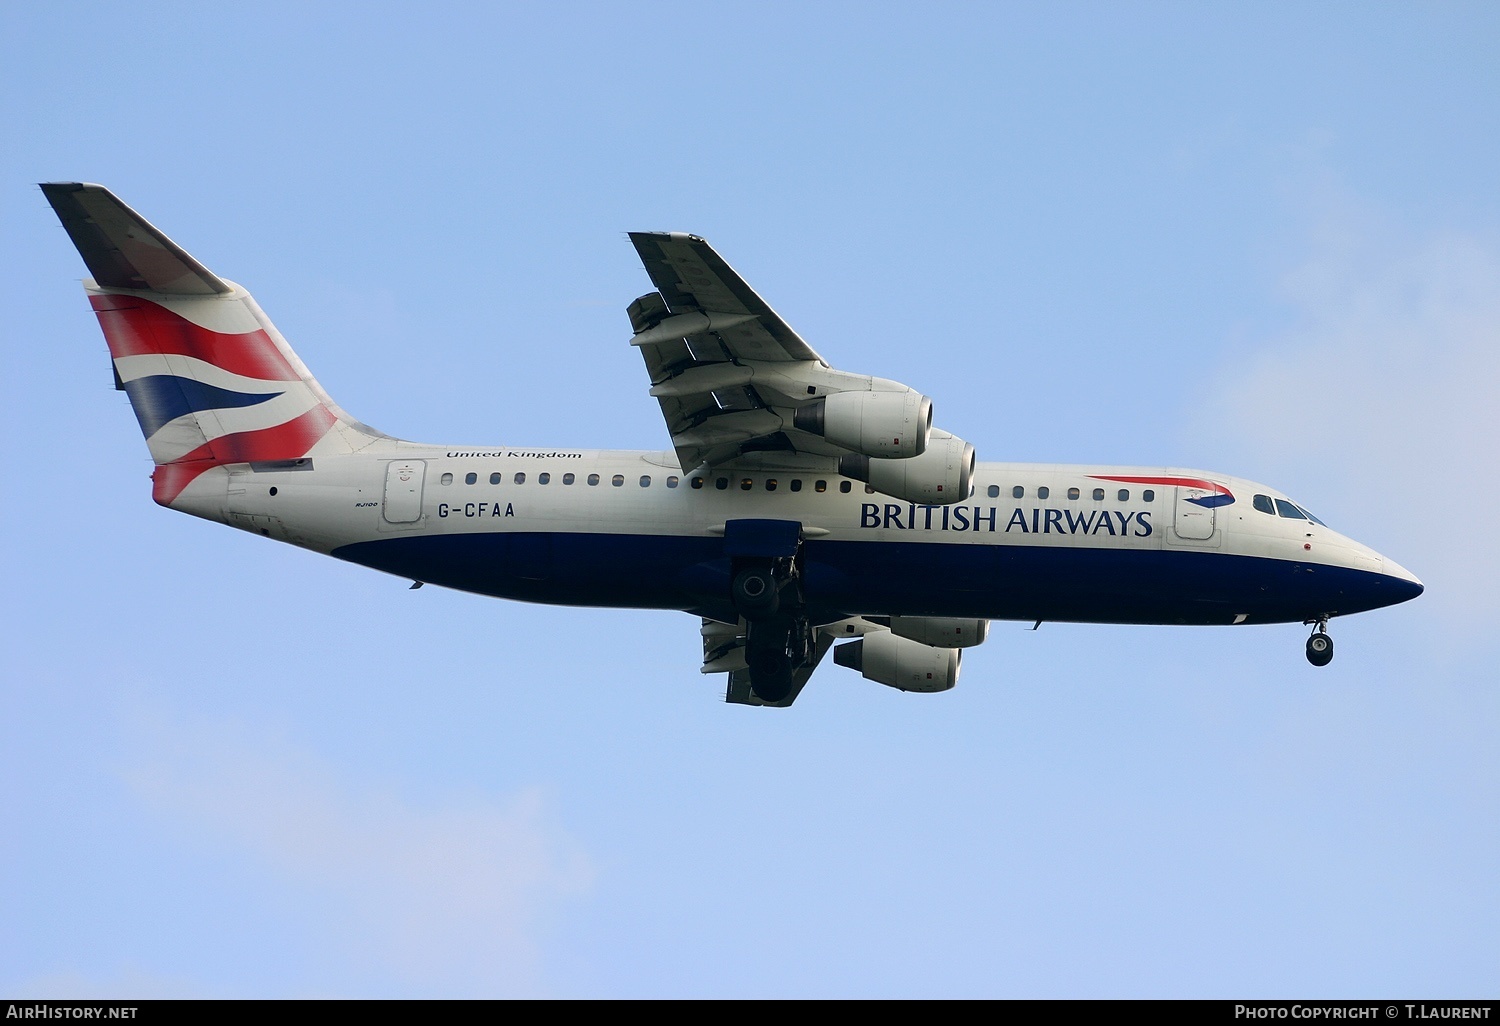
(724, 650)
(692, 278)
(728, 372)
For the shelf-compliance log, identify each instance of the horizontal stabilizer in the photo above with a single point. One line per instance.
(122, 249)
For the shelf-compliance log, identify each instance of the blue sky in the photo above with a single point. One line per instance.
(1262, 239)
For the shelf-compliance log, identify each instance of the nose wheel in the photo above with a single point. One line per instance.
(1320, 645)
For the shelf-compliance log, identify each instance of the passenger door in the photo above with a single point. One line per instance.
(1192, 521)
(403, 491)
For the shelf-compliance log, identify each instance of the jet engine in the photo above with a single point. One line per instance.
(943, 474)
(890, 425)
(900, 663)
(941, 631)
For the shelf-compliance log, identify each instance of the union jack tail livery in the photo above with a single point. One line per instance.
(211, 380)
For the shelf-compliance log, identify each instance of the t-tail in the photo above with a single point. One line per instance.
(212, 382)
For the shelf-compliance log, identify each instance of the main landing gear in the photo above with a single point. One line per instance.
(1320, 645)
(778, 638)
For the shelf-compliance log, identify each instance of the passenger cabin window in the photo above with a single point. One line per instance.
(1098, 494)
(770, 484)
(447, 479)
(521, 478)
(846, 487)
(618, 480)
(820, 486)
(544, 479)
(495, 477)
(568, 479)
(1263, 503)
(1148, 495)
(1124, 495)
(1043, 492)
(471, 478)
(869, 489)
(593, 479)
(796, 484)
(697, 482)
(1018, 492)
(645, 480)
(746, 484)
(721, 483)
(671, 482)
(1072, 493)
(993, 491)
(1289, 511)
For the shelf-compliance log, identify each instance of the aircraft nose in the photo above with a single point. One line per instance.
(1401, 585)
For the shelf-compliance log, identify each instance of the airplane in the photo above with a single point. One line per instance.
(801, 509)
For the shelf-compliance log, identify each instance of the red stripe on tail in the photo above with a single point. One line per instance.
(282, 442)
(135, 327)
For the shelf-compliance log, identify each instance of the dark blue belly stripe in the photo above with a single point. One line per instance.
(841, 578)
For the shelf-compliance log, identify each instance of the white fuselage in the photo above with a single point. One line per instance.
(465, 517)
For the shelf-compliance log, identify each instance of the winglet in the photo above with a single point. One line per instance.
(122, 249)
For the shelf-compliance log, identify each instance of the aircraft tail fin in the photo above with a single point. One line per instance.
(211, 380)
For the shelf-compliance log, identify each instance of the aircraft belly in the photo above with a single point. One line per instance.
(1003, 582)
(576, 569)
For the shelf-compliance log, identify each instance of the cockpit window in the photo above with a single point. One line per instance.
(1311, 517)
(1289, 511)
(1263, 503)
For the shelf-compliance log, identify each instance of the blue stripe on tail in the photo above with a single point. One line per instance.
(165, 397)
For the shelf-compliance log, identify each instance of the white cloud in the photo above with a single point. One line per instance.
(441, 900)
(1385, 392)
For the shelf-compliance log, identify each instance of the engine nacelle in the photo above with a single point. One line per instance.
(889, 425)
(941, 631)
(941, 475)
(900, 663)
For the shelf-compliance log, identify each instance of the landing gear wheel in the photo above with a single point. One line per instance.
(773, 651)
(756, 594)
(1320, 649)
(770, 675)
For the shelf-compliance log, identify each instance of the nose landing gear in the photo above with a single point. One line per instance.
(1320, 645)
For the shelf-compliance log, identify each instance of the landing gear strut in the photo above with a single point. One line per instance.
(768, 594)
(1320, 645)
(765, 575)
